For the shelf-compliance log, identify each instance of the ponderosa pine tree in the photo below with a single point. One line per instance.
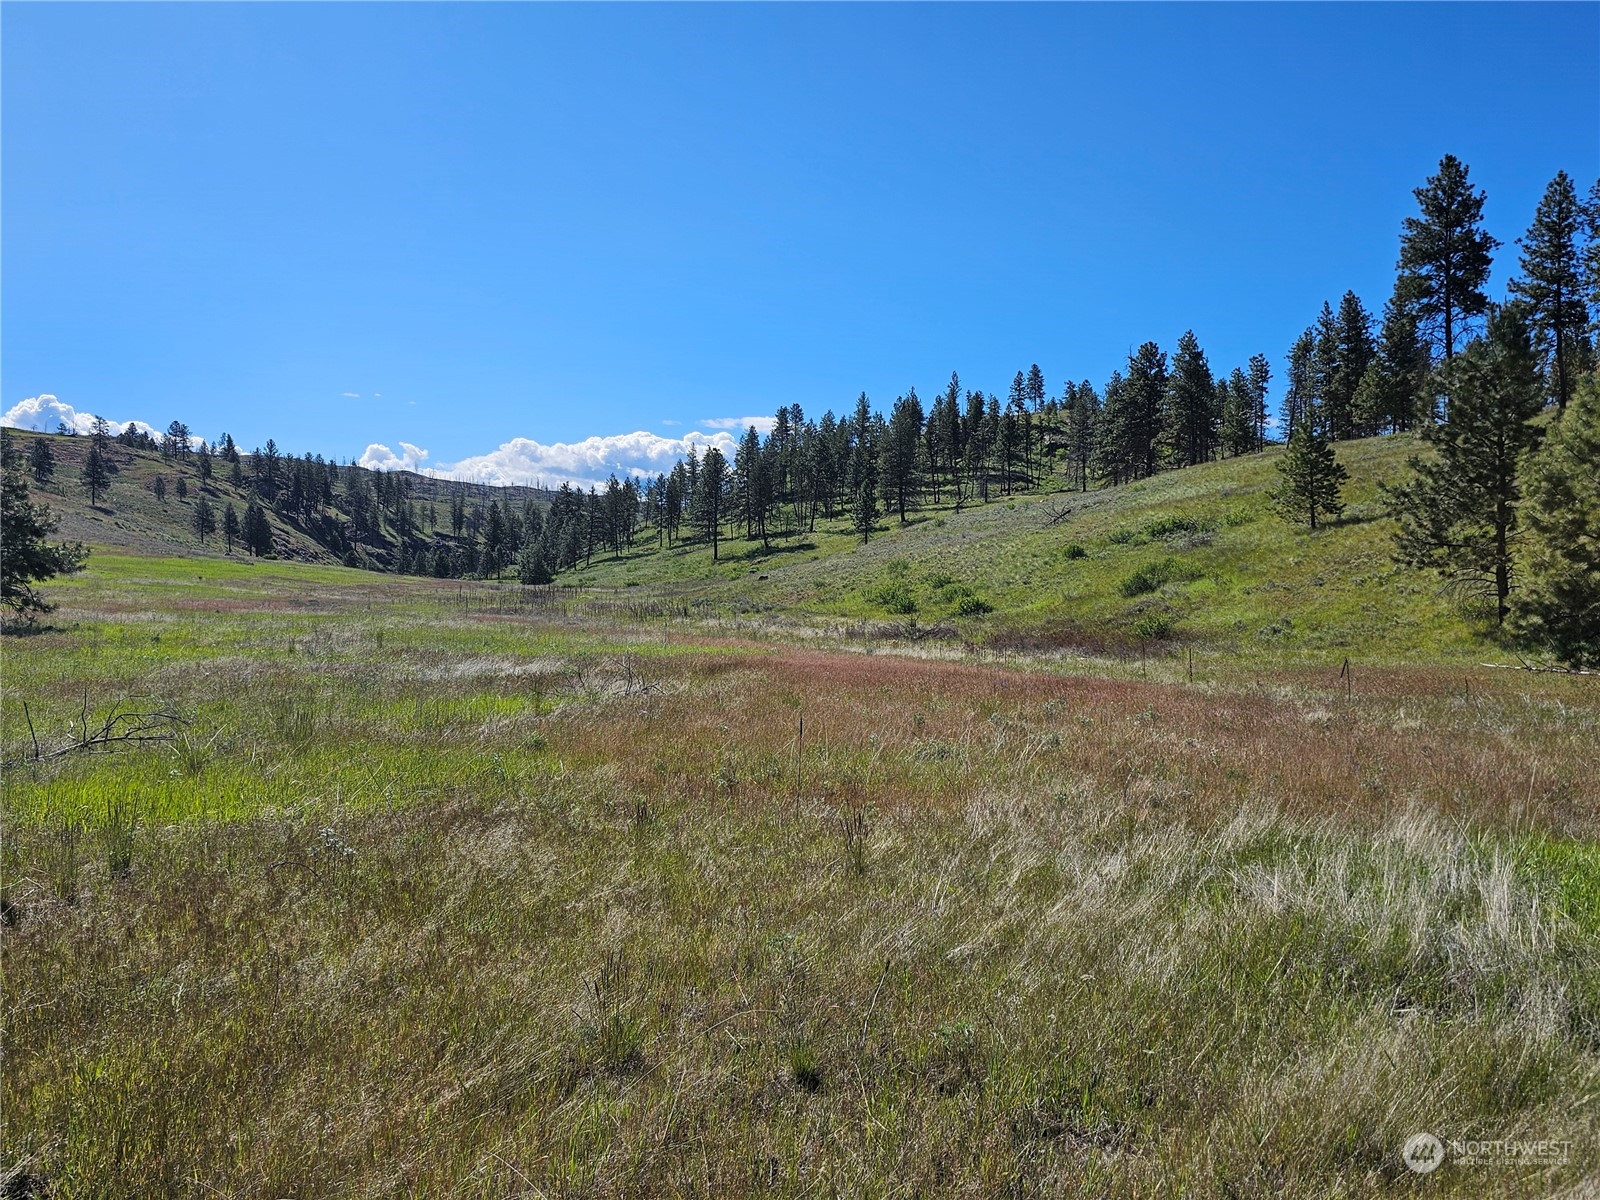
(41, 461)
(706, 504)
(1260, 376)
(1311, 477)
(26, 555)
(230, 526)
(94, 477)
(1144, 395)
(204, 519)
(257, 530)
(1300, 395)
(862, 475)
(1445, 256)
(1552, 284)
(1353, 354)
(1458, 514)
(899, 459)
(1557, 605)
(1394, 393)
(1112, 457)
(1190, 405)
(1083, 422)
(1238, 433)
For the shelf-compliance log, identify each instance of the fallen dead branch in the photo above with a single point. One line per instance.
(119, 728)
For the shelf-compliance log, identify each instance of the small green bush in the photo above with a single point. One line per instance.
(973, 606)
(1156, 575)
(1152, 626)
(1076, 550)
(896, 597)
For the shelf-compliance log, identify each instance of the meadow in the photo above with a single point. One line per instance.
(430, 888)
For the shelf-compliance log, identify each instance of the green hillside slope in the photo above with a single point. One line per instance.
(1193, 556)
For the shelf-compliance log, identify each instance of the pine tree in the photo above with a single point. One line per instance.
(1146, 390)
(204, 519)
(1445, 255)
(1260, 375)
(26, 556)
(1394, 389)
(531, 567)
(706, 504)
(1552, 283)
(1113, 457)
(1190, 405)
(900, 452)
(1353, 354)
(1083, 428)
(862, 477)
(1301, 393)
(41, 461)
(257, 530)
(1558, 603)
(1312, 477)
(94, 477)
(1237, 402)
(230, 527)
(1458, 515)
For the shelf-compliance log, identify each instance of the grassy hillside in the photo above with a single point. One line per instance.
(1221, 573)
(129, 517)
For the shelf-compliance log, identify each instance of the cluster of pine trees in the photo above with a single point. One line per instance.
(1498, 516)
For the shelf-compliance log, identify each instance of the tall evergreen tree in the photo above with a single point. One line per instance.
(1260, 375)
(1394, 391)
(1552, 284)
(204, 519)
(94, 477)
(1237, 402)
(1190, 414)
(1146, 391)
(706, 504)
(1300, 395)
(1558, 604)
(899, 459)
(1445, 256)
(863, 475)
(1353, 354)
(26, 554)
(1312, 478)
(230, 527)
(1113, 453)
(1083, 428)
(41, 461)
(1458, 515)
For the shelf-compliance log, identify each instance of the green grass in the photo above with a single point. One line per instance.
(457, 889)
(1238, 580)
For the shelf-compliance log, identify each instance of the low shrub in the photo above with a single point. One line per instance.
(1153, 576)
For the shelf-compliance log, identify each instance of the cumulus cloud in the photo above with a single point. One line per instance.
(378, 457)
(584, 464)
(763, 424)
(45, 414)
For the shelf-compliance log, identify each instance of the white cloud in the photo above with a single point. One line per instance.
(378, 457)
(45, 414)
(670, 421)
(583, 464)
(351, 395)
(763, 424)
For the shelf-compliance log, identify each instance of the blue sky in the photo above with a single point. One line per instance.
(452, 226)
